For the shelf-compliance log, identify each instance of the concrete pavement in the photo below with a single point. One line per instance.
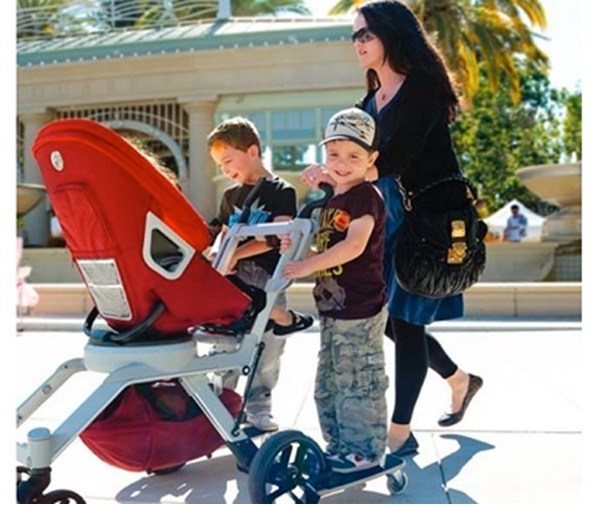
(520, 442)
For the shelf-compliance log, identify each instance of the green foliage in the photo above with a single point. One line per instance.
(494, 138)
(572, 124)
(467, 32)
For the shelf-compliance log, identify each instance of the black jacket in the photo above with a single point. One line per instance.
(415, 142)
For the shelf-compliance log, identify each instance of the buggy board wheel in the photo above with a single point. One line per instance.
(20, 471)
(397, 482)
(287, 463)
(60, 496)
(167, 471)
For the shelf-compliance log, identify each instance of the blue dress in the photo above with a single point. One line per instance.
(411, 308)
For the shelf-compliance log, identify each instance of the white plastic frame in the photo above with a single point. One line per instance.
(154, 223)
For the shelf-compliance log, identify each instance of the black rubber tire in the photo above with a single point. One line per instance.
(61, 496)
(20, 471)
(273, 466)
(397, 483)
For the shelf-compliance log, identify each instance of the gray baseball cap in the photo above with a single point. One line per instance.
(351, 124)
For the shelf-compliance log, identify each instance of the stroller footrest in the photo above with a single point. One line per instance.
(204, 337)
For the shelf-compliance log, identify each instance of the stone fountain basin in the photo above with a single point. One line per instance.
(518, 261)
(559, 184)
(28, 196)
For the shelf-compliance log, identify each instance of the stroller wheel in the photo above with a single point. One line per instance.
(167, 471)
(285, 467)
(60, 496)
(20, 471)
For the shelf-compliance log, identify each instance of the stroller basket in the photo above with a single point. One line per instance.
(151, 427)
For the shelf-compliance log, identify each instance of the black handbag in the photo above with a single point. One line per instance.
(439, 253)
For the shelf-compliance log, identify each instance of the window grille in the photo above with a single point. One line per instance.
(167, 123)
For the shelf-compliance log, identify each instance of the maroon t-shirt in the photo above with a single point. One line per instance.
(354, 290)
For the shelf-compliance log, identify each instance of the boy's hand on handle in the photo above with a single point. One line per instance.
(296, 269)
(315, 174)
(285, 243)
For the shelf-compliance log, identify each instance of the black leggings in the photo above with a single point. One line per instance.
(415, 351)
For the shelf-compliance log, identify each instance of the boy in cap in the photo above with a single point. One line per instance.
(349, 294)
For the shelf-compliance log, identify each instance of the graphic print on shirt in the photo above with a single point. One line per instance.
(329, 295)
(257, 214)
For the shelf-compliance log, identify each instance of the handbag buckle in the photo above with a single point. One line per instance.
(458, 229)
(457, 253)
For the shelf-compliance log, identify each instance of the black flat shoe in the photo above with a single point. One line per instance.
(410, 447)
(475, 384)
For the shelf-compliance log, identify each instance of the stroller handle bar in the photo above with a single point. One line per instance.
(307, 210)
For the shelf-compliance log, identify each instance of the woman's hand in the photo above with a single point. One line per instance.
(296, 269)
(315, 174)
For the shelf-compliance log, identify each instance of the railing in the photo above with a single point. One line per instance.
(55, 18)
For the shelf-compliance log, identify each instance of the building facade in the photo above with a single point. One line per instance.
(172, 85)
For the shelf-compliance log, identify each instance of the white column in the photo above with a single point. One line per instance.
(224, 10)
(200, 188)
(36, 224)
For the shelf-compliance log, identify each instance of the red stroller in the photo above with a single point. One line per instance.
(137, 244)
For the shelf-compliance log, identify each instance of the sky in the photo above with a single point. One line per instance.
(564, 31)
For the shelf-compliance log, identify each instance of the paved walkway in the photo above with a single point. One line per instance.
(520, 442)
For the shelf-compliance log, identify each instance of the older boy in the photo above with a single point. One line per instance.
(235, 146)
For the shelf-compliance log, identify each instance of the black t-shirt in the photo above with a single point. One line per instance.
(276, 198)
(354, 290)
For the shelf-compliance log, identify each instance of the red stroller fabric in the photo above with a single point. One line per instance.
(103, 191)
(159, 429)
(113, 206)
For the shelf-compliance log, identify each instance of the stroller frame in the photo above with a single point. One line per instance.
(127, 365)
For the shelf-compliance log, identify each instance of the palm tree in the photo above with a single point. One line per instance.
(470, 31)
(34, 17)
(343, 6)
(257, 7)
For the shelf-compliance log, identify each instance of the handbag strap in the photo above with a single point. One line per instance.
(409, 196)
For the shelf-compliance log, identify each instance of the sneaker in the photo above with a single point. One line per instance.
(299, 322)
(351, 463)
(262, 422)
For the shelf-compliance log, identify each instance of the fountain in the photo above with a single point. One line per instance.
(28, 196)
(559, 184)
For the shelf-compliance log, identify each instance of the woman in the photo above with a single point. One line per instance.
(411, 97)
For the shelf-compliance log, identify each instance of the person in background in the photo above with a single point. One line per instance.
(516, 225)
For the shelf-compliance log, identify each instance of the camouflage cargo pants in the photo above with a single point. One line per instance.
(267, 373)
(350, 386)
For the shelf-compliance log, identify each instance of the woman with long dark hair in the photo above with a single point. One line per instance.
(413, 100)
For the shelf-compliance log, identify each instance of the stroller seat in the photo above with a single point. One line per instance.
(134, 237)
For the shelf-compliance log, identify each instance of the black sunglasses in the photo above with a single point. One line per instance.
(363, 35)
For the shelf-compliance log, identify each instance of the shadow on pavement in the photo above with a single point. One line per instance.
(217, 480)
(452, 464)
